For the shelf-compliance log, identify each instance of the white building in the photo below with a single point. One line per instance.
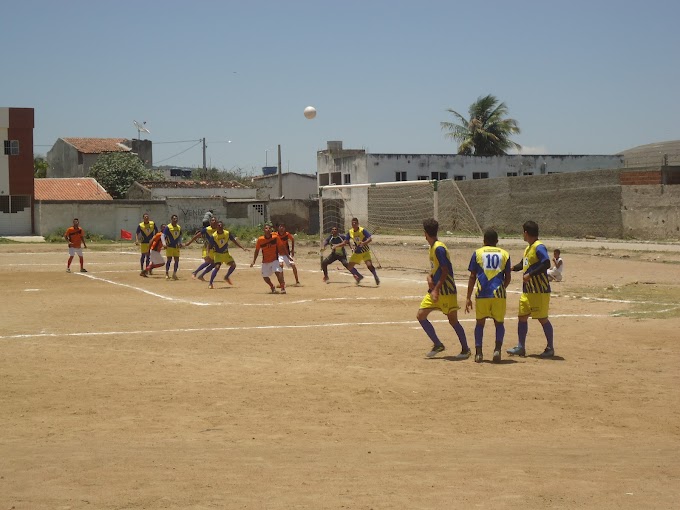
(336, 165)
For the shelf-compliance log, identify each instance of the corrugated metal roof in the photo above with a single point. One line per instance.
(98, 145)
(77, 188)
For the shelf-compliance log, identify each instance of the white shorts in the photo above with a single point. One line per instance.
(75, 251)
(270, 268)
(156, 258)
(555, 274)
(285, 259)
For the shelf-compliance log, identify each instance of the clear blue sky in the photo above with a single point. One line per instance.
(580, 77)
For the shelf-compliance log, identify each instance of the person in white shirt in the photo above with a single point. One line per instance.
(555, 272)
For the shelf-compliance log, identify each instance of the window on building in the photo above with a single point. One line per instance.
(400, 176)
(336, 178)
(511, 174)
(347, 179)
(4, 203)
(480, 175)
(423, 178)
(440, 176)
(11, 147)
(458, 177)
(20, 203)
(527, 173)
(323, 179)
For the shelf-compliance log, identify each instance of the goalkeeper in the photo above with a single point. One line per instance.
(338, 253)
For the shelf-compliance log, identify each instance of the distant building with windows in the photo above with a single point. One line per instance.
(16, 171)
(336, 165)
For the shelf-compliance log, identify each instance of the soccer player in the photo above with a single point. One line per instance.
(145, 232)
(208, 263)
(535, 298)
(362, 253)
(220, 247)
(75, 236)
(286, 251)
(490, 274)
(155, 257)
(337, 253)
(441, 294)
(172, 240)
(270, 259)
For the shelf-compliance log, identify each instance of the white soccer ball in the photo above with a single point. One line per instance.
(310, 112)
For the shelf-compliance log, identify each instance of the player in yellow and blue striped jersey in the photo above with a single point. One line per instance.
(489, 275)
(441, 294)
(535, 298)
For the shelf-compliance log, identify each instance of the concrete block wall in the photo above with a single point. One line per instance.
(570, 204)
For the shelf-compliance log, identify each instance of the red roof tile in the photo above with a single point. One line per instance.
(97, 145)
(79, 188)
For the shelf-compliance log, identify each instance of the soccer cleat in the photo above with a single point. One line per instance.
(68, 269)
(228, 280)
(174, 276)
(272, 290)
(83, 270)
(436, 350)
(210, 286)
(167, 276)
(358, 279)
(518, 350)
(463, 355)
(283, 290)
(377, 281)
(143, 273)
(548, 353)
(497, 356)
(479, 357)
(326, 279)
(193, 276)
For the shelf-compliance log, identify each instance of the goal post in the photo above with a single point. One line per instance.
(396, 208)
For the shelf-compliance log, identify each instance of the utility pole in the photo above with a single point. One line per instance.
(280, 180)
(204, 167)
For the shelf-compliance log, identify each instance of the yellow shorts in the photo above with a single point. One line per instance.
(446, 303)
(358, 258)
(224, 258)
(172, 252)
(534, 304)
(144, 248)
(490, 307)
(208, 253)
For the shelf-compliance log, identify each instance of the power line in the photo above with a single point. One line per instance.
(175, 155)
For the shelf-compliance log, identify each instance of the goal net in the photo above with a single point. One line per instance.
(397, 208)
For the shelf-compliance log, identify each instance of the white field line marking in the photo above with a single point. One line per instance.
(247, 328)
(166, 298)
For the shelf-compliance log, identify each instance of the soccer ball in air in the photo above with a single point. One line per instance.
(310, 112)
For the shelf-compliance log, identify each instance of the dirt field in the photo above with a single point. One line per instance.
(119, 392)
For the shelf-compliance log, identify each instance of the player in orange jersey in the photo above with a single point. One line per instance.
(75, 236)
(270, 259)
(155, 257)
(286, 251)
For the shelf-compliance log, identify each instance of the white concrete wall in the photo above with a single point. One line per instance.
(237, 193)
(295, 186)
(383, 167)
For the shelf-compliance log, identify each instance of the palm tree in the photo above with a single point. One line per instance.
(486, 132)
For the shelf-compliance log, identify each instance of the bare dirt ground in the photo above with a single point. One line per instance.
(118, 392)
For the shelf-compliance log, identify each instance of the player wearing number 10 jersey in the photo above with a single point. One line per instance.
(490, 275)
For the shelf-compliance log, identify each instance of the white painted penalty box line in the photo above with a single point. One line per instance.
(251, 328)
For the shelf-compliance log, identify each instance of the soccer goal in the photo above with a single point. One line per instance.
(397, 208)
